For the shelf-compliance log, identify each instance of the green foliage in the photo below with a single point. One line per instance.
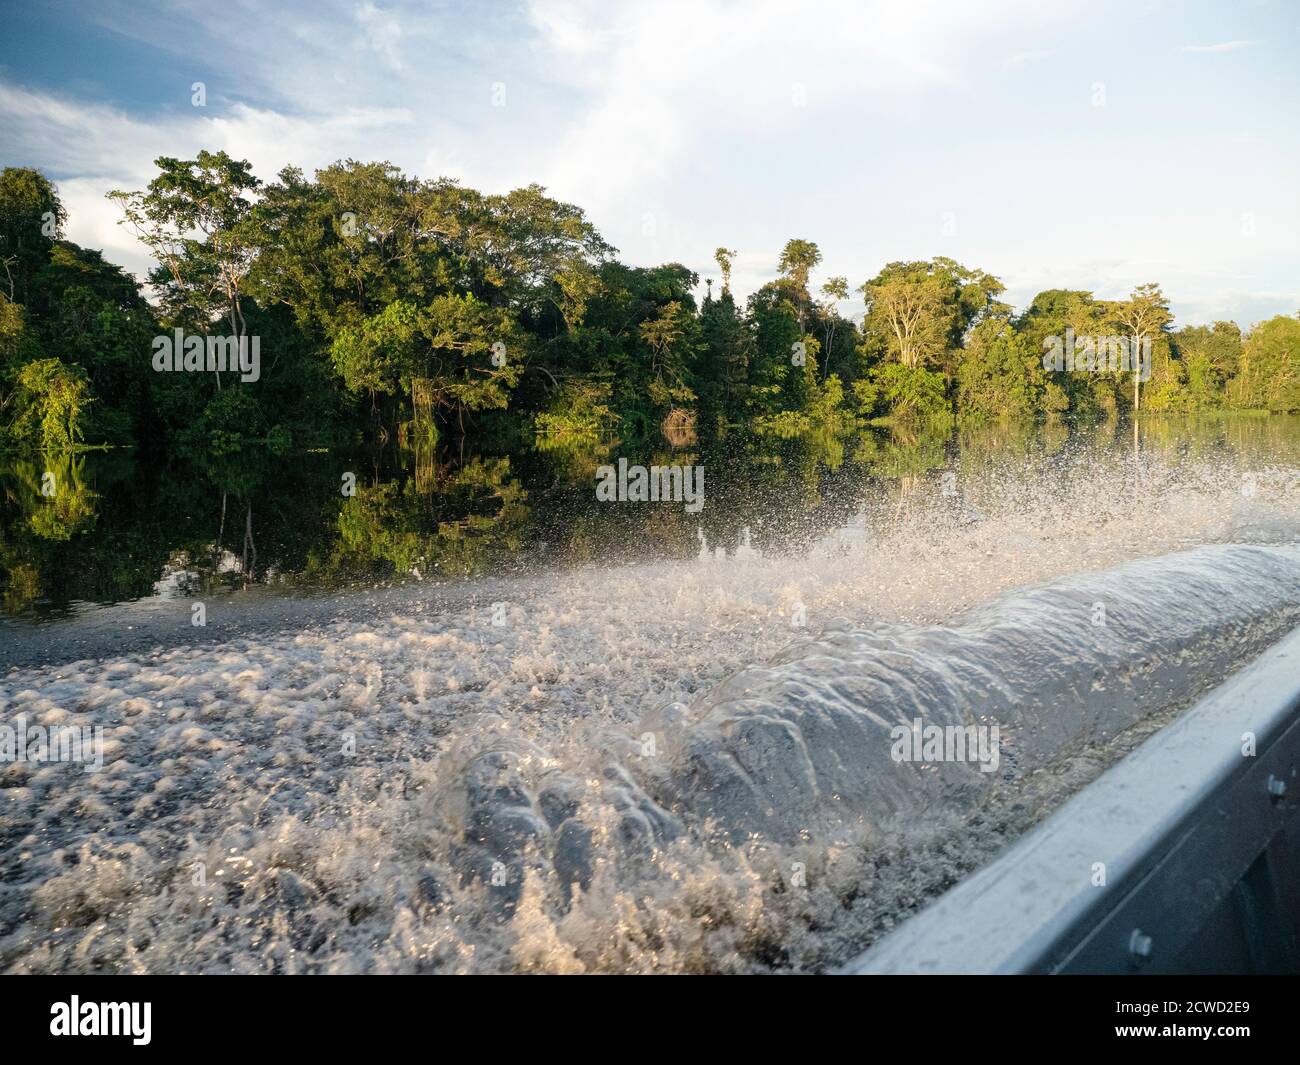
(1210, 357)
(195, 218)
(722, 362)
(386, 304)
(1082, 396)
(1269, 377)
(910, 391)
(381, 351)
(31, 219)
(231, 421)
(53, 398)
(774, 321)
(798, 258)
(1144, 317)
(474, 352)
(1000, 374)
(918, 313)
(476, 514)
(14, 338)
(580, 408)
(457, 351)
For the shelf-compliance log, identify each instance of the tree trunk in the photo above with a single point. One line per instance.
(250, 549)
(221, 531)
(1137, 362)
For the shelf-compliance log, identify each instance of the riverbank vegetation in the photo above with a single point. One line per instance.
(390, 307)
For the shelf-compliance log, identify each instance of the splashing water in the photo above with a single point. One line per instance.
(678, 766)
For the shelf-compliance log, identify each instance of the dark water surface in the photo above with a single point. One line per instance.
(120, 529)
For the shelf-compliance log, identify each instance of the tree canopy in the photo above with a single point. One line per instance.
(384, 303)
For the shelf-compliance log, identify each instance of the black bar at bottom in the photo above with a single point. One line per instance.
(244, 1015)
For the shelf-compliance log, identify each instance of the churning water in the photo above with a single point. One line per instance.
(631, 764)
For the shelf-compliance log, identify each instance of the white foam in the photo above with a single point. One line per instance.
(477, 744)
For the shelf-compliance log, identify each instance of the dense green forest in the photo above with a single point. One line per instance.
(390, 307)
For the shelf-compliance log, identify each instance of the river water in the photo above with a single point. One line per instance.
(469, 718)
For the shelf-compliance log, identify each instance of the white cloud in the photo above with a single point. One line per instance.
(1021, 59)
(383, 33)
(103, 148)
(666, 80)
(633, 95)
(679, 126)
(1224, 46)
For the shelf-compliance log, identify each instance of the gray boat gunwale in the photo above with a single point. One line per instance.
(1190, 829)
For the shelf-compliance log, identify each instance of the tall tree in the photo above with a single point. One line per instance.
(834, 290)
(724, 257)
(194, 218)
(722, 371)
(913, 316)
(1145, 314)
(798, 258)
(922, 311)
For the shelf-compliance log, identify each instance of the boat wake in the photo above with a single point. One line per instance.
(595, 775)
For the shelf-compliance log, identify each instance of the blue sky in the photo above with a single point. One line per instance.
(1084, 145)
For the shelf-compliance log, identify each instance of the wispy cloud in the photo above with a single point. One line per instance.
(1223, 46)
(383, 33)
(1021, 59)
